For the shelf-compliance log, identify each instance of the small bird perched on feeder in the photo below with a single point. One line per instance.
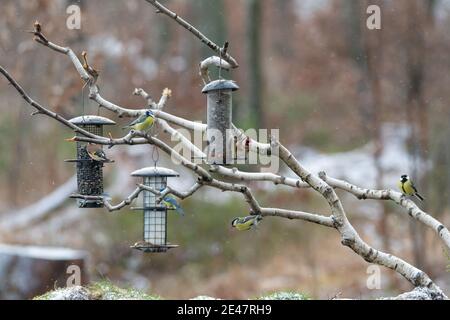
(171, 203)
(97, 154)
(143, 123)
(94, 73)
(246, 223)
(407, 187)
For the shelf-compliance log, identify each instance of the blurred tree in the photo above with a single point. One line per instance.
(209, 16)
(419, 18)
(255, 108)
(366, 51)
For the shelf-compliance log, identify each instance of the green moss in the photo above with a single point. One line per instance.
(102, 290)
(285, 295)
(105, 290)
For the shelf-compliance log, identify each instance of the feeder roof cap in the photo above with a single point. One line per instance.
(220, 84)
(155, 172)
(85, 120)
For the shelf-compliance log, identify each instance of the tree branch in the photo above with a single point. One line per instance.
(413, 210)
(259, 176)
(219, 50)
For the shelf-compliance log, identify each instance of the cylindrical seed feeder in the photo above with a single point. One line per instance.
(155, 214)
(89, 172)
(219, 120)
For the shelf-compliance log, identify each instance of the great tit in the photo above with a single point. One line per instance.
(407, 187)
(246, 223)
(143, 123)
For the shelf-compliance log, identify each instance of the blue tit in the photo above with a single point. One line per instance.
(246, 223)
(171, 203)
(143, 123)
(407, 187)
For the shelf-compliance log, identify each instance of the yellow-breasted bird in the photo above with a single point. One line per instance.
(97, 154)
(246, 223)
(171, 203)
(143, 123)
(407, 187)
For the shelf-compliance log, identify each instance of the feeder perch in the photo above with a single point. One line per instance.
(219, 121)
(155, 214)
(89, 172)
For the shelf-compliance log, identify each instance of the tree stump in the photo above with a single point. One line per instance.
(28, 271)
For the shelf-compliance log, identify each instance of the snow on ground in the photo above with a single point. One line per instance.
(357, 166)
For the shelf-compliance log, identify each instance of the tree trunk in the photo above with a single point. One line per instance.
(29, 271)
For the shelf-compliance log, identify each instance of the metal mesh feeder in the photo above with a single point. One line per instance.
(155, 214)
(89, 172)
(219, 121)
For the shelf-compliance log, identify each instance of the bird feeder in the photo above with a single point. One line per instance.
(219, 121)
(155, 214)
(89, 172)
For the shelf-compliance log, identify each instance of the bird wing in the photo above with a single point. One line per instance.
(247, 219)
(141, 118)
(171, 201)
(100, 153)
(414, 187)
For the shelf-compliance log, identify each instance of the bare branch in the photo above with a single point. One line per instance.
(219, 50)
(350, 237)
(42, 109)
(413, 210)
(292, 214)
(259, 176)
(212, 61)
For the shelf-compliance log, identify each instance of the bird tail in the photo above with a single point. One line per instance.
(180, 210)
(419, 196)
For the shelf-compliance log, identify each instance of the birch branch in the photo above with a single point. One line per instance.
(219, 50)
(413, 210)
(259, 176)
(166, 127)
(212, 61)
(349, 236)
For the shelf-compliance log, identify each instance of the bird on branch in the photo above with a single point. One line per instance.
(246, 223)
(143, 123)
(407, 187)
(94, 73)
(171, 203)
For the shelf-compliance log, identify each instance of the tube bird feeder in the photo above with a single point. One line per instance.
(89, 172)
(219, 121)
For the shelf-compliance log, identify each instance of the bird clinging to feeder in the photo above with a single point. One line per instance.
(96, 153)
(155, 213)
(90, 171)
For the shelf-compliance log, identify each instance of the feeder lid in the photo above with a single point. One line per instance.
(155, 172)
(85, 120)
(220, 84)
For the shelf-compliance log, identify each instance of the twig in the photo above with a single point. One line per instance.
(219, 50)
